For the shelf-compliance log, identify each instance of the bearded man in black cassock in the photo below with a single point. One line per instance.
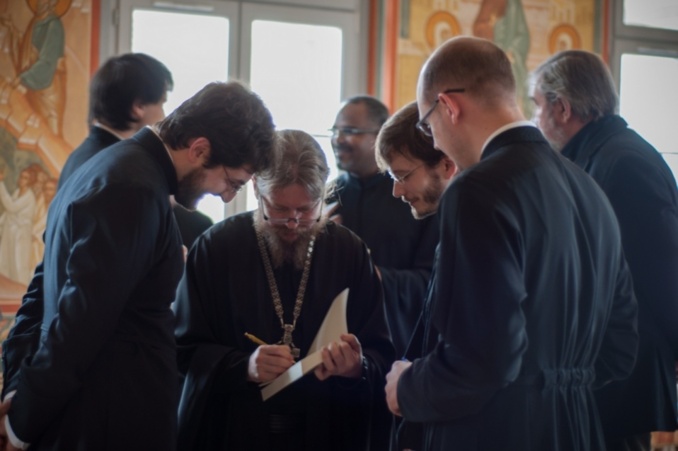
(282, 264)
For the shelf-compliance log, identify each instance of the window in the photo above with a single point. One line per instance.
(302, 61)
(644, 62)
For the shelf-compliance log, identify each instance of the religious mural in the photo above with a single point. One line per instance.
(45, 59)
(528, 30)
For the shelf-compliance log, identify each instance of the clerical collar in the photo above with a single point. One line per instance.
(504, 128)
(108, 129)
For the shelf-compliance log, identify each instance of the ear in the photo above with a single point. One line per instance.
(451, 106)
(199, 150)
(562, 110)
(449, 168)
(137, 110)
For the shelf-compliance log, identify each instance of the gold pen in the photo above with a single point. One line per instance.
(255, 339)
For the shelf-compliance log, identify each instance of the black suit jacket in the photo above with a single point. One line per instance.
(532, 300)
(22, 339)
(401, 246)
(642, 191)
(97, 140)
(104, 373)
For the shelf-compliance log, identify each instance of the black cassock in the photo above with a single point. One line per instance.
(225, 293)
(105, 361)
(532, 302)
(642, 191)
(400, 245)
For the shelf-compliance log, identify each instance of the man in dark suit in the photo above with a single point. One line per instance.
(126, 93)
(576, 101)
(104, 375)
(531, 300)
(420, 174)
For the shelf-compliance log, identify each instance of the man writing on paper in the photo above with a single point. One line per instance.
(274, 273)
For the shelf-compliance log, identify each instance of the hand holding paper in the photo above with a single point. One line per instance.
(331, 330)
(341, 358)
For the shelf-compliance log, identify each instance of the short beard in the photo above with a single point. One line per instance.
(189, 190)
(282, 251)
(431, 196)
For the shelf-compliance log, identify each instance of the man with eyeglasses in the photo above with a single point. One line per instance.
(401, 247)
(575, 103)
(420, 174)
(273, 274)
(531, 302)
(419, 171)
(104, 372)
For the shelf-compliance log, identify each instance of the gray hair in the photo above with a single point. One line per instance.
(580, 77)
(299, 160)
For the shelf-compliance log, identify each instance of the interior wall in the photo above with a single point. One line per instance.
(528, 30)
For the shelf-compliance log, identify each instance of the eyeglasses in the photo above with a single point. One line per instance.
(350, 131)
(302, 218)
(423, 124)
(234, 186)
(403, 178)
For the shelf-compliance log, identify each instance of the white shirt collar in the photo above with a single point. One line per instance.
(108, 129)
(502, 129)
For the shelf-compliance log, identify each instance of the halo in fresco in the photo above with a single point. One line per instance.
(564, 37)
(440, 27)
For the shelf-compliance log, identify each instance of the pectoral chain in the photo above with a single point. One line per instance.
(287, 328)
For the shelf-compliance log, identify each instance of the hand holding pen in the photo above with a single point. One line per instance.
(268, 361)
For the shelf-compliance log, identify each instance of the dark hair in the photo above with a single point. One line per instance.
(580, 77)
(122, 81)
(400, 136)
(376, 110)
(232, 118)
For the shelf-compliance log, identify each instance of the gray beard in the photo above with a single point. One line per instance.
(282, 251)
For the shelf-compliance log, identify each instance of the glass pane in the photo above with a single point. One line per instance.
(173, 39)
(296, 69)
(646, 103)
(651, 13)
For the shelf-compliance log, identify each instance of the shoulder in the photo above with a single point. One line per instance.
(231, 231)
(339, 235)
(336, 187)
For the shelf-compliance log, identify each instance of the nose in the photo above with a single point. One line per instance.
(227, 196)
(292, 223)
(398, 190)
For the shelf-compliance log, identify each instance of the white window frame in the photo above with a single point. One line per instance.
(349, 15)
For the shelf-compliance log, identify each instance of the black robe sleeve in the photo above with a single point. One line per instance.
(24, 336)
(224, 293)
(109, 248)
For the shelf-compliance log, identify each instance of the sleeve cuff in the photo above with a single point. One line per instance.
(16, 441)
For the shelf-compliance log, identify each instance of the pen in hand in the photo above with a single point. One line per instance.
(255, 339)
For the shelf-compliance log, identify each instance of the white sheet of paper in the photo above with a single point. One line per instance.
(330, 330)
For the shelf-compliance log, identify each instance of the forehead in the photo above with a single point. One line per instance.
(242, 173)
(401, 163)
(291, 196)
(421, 98)
(353, 114)
(536, 94)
